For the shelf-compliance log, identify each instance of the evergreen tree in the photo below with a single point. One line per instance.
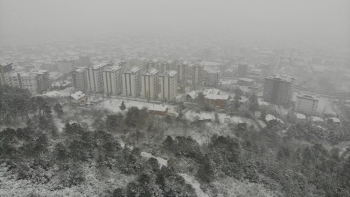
(122, 106)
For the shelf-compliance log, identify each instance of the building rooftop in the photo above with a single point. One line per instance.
(132, 70)
(284, 78)
(100, 65)
(169, 73)
(79, 70)
(151, 71)
(77, 95)
(308, 96)
(246, 79)
(39, 71)
(211, 91)
(112, 68)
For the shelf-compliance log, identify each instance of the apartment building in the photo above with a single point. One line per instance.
(306, 104)
(94, 76)
(278, 89)
(65, 66)
(168, 85)
(112, 80)
(24, 80)
(42, 80)
(79, 79)
(197, 77)
(131, 82)
(149, 84)
(242, 69)
(182, 72)
(5, 72)
(211, 77)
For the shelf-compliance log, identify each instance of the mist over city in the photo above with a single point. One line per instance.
(175, 98)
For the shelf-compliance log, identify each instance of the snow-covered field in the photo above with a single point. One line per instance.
(161, 161)
(195, 184)
(114, 103)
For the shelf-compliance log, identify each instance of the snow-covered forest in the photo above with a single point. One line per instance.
(72, 151)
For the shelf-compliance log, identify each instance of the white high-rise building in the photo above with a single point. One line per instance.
(131, 82)
(150, 83)
(65, 66)
(112, 80)
(94, 77)
(306, 104)
(25, 80)
(168, 85)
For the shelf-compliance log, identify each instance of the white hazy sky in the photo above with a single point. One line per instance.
(307, 19)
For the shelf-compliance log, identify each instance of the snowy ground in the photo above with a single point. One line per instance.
(223, 118)
(161, 161)
(325, 106)
(114, 103)
(195, 184)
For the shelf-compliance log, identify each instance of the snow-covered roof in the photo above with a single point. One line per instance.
(211, 91)
(112, 68)
(246, 79)
(132, 70)
(100, 65)
(158, 108)
(77, 95)
(151, 71)
(300, 116)
(316, 119)
(193, 94)
(285, 78)
(334, 119)
(52, 94)
(169, 73)
(216, 97)
(270, 117)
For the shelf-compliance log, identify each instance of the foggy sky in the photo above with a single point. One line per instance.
(258, 19)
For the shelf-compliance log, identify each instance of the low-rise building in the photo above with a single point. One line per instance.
(158, 110)
(218, 101)
(245, 82)
(77, 98)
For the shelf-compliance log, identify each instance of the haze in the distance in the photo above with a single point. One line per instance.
(316, 20)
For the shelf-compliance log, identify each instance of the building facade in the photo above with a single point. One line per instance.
(42, 80)
(24, 80)
(112, 80)
(79, 79)
(182, 72)
(168, 85)
(65, 66)
(131, 82)
(94, 77)
(149, 84)
(5, 72)
(197, 77)
(306, 104)
(278, 89)
(211, 78)
(242, 69)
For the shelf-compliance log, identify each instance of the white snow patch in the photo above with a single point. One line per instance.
(161, 161)
(195, 184)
